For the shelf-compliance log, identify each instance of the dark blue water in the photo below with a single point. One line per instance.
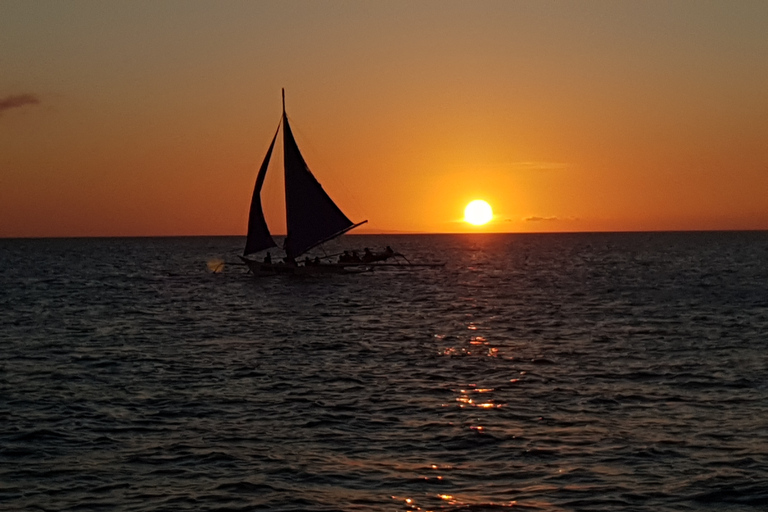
(590, 372)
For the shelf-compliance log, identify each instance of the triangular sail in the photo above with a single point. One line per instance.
(312, 216)
(259, 237)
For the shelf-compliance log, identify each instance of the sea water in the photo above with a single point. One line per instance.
(553, 372)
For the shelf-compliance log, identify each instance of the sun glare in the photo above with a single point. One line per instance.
(478, 212)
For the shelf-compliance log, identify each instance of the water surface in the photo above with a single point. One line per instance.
(545, 372)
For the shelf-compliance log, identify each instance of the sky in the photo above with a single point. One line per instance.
(151, 118)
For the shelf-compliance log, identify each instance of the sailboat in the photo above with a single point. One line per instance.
(312, 217)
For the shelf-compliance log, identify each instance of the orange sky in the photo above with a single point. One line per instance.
(151, 118)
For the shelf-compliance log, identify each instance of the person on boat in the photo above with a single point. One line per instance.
(368, 256)
(355, 257)
(316, 261)
(345, 257)
(268, 259)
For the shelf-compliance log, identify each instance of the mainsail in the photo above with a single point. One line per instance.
(259, 237)
(311, 215)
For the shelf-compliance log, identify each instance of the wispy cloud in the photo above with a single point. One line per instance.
(539, 166)
(540, 219)
(16, 101)
(535, 218)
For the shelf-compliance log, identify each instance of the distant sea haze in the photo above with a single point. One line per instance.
(562, 372)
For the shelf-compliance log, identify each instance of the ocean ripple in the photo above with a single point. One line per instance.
(580, 372)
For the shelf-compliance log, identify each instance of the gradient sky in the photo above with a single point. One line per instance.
(152, 117)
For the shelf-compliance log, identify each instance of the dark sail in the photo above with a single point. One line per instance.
(258, 232)
(312, 217)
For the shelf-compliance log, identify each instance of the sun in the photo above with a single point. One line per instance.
(478, 212)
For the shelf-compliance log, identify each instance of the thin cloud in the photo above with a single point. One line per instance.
(16, 101)
(539, 166)
(541, 219)
(535, 218)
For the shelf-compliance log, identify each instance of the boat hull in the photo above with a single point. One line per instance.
(271, 269)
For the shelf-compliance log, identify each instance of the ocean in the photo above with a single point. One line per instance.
(552, 372)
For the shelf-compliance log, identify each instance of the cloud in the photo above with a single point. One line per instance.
(539, 166)
(535, 218)
(540, 219)
(16, 101)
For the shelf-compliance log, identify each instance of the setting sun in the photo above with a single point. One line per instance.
(478, 212)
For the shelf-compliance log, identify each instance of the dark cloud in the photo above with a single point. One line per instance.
(16, 101)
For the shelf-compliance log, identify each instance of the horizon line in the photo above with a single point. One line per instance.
(407, 233)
